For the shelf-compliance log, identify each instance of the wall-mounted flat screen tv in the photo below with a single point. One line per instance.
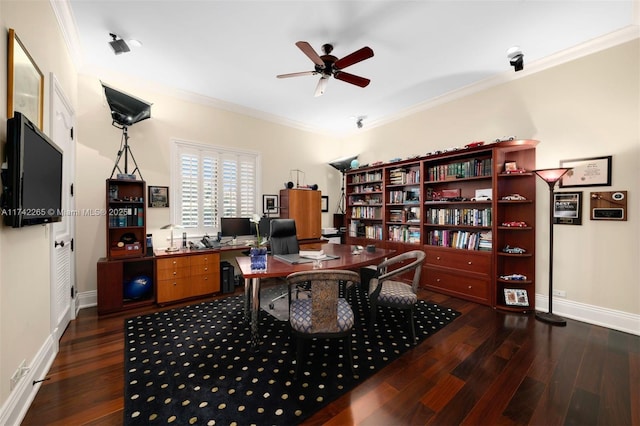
(32, 179)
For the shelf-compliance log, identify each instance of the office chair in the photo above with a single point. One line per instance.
(324, 315)
(386, 290)
(283, 240)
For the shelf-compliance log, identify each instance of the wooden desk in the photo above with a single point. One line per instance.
(278, 268)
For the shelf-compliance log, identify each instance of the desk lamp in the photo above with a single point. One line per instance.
(171, 248)
(551, 176)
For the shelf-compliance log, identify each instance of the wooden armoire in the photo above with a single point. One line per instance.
(303, 205)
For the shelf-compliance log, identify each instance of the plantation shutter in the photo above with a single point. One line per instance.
(213, 183)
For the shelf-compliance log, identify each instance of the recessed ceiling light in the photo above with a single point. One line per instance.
(135, 43)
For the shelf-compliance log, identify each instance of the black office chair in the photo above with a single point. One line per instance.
(283, 240)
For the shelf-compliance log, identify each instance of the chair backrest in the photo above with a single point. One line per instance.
(282, 236)
(410, 260)
(324, 285)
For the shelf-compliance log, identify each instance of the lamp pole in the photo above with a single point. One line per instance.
(551, 177)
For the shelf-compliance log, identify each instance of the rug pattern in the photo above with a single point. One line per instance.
(194, 365)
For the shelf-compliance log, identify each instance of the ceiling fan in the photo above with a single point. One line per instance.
(328, 65)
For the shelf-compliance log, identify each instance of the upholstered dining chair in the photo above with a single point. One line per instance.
(282, 240)
(323, 315)
(387, 290)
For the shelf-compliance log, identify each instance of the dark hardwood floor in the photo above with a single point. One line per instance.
(486, 368)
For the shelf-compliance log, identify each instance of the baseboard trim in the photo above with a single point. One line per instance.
(87, 299)
(17, 404)
(609, 318)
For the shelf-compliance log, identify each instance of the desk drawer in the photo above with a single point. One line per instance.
(172, 290)
(204, 284)
(173, 273)
(172, 263)
(205, 259)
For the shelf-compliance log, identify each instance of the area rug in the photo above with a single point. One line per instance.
(195, 365)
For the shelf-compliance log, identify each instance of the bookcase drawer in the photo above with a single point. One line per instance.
(467, 285)
(465, 260)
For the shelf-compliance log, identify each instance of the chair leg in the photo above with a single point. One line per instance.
(347, 342)
(412, 324)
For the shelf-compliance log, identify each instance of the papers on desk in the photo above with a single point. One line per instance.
(312, 254)
(295, 259)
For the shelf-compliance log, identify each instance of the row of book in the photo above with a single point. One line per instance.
(359, 229)
(121, 217)
(469, 217)
(460, 239)
(404, 197)
(408, 214)
(373, 176)
(365, 199)
(404, 176)
(366, 212)
(463, 169)
(404, 234)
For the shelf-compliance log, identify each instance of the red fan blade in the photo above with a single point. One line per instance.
(353, 79)
(308, 50)
(354, 58)
(297, 74)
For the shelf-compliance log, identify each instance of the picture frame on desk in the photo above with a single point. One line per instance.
(158, 196)
(270, 204)
(593, 171)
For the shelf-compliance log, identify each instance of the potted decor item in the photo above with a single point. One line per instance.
(258, 252)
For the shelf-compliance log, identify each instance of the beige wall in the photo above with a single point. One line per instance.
(585, 108)
(24, 253)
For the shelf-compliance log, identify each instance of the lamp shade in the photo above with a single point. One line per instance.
(343, 164)
(551, 175)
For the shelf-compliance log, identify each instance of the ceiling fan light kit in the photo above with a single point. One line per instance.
(328, 65)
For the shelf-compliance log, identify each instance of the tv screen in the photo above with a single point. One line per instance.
(236, 227)
(32, 182)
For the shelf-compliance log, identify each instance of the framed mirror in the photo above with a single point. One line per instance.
(25, 82)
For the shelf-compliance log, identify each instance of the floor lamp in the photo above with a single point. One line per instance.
(551, 176)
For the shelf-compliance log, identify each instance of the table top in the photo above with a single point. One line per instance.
(347, 260)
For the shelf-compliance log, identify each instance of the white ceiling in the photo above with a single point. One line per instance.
(231, 51)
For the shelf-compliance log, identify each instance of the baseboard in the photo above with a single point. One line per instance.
(87, 299)
(609, 318)
(17, 404)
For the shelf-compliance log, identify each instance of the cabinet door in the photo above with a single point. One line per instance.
(173, 289)
(305, 207)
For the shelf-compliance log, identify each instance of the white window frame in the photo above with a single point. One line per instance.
(177, 148)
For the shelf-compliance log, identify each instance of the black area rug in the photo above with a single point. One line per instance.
(195, 365)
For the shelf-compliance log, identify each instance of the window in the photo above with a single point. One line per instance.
(210, 182)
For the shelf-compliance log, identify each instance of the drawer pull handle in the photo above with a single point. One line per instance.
(206, 278)
(175, 263)
(206, 258)
(438, 258)
(206, 269)
(470, 262)
(174, 272)
(470, 287)
(437, 280)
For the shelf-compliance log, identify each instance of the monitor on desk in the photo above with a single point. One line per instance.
(235, 227)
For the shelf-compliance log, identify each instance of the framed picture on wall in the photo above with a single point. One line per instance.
(269, 204)
(594, 171)
(25, 82)
(325, 203)
(567, 208)
(158, 196)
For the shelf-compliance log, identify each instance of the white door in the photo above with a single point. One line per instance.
(62, 233)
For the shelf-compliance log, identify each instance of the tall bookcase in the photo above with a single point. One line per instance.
(452, 206)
